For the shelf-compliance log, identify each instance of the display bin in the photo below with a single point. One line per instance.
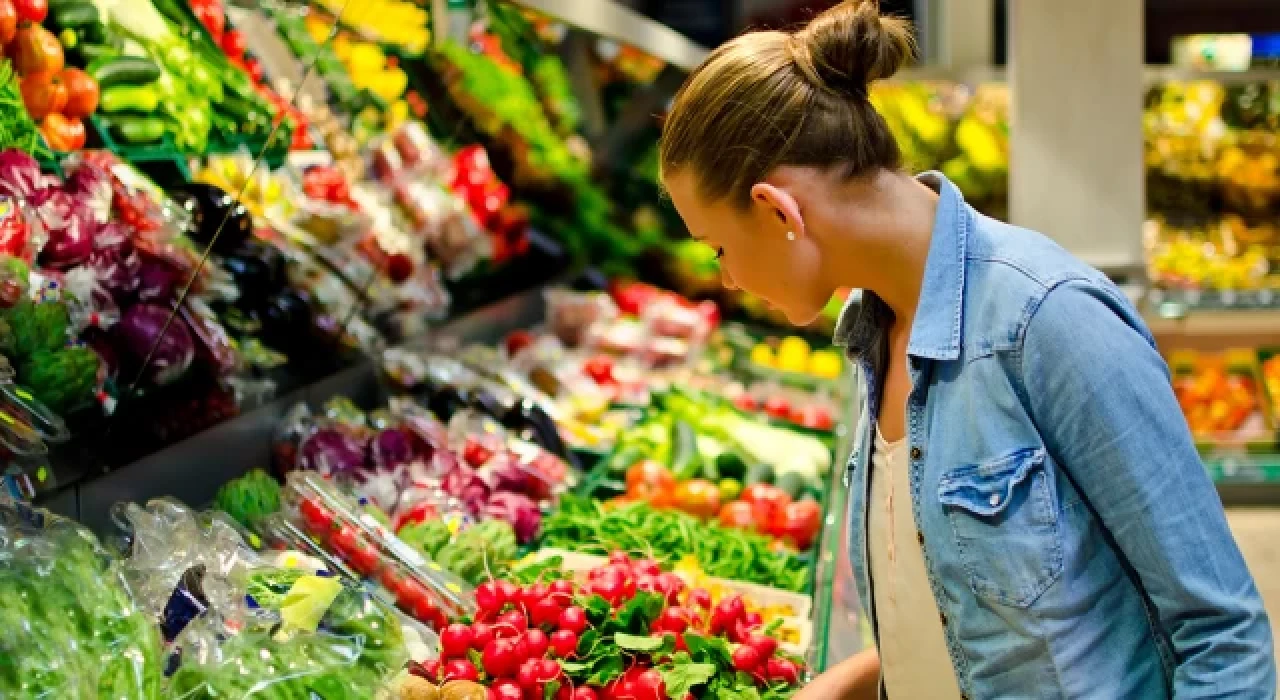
(1205, 384)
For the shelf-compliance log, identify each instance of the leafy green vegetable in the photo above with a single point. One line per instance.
(584, 525)
(252, 496)
(682, 674)
(428, 536)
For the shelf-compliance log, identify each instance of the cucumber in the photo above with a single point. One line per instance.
(97, 52)
(731, 466)
(75, 15)
(710, 470)
(686, 463)
(138, 130)
(760, 473)
(125, 70)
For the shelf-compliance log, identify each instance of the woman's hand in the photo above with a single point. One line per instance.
(855, 678)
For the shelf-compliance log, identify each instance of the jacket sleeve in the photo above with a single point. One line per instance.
(1100, 396)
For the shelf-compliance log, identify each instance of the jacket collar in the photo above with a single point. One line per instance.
(935, 334)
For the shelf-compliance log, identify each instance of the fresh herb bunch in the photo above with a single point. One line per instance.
(17, 129)
(586, 525)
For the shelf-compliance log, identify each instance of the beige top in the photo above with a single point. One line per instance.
(914, 662)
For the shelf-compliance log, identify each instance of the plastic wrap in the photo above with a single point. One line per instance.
(71, 631)
(570, 314)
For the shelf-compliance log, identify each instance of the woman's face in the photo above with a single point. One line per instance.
(756, 254)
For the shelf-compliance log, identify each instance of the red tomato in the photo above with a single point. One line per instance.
(353, 548)
(738, 514)
(8, 22)
(649, 481)
(600, 369)
(698, 497)
(317, 518)
(233, 43)
(475, 453)
(799, 523)
(33, 11)
(518, 340)
(765, 493)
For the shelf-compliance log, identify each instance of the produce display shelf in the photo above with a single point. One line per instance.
(616, 21)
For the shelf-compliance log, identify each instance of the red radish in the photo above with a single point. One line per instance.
(564, 643)
(481, 635)
(649, 686)
(510, 624)
(753, 620)
(562, 586)
(534, 674)
(573, 619)
(701, 598)
(508, 593)
(460, 670)
(534, 643)
(764, 644)
(500, 659)
(489, 598)
(729, 611)
(455, 640)
(582, 692)
(674, 619)
(647, 567)
(506, 690)
(746, 659)
(619, 557)
(783, 670)
(545, 612)
(534, 594)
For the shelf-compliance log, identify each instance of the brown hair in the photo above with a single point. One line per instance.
(772, 98)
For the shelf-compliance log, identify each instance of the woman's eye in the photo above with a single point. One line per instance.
(719, 253)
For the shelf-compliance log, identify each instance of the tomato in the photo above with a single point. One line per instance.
(8, 22)
(799, 523)
(33, 11)
(353, 548)
(43, 94)
(738, 514)
(475, 453)
(649, 481)
(82, 92)
(315, 516)
(778, 407)
(516, 340)
(36, 50)
(765, 493)
(698, 497)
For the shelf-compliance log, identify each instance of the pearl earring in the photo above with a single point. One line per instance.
(791, 235)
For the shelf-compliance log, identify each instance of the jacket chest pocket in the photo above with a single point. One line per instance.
(1005, 520)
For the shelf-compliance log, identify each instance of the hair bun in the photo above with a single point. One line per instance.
(850, 46)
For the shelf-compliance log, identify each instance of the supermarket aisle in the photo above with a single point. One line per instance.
(1255, 530)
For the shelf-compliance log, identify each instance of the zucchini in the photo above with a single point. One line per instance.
(125, 70)
(731, 466)
(90, 53)
(759, 473)
(686, 462)
(75, 15)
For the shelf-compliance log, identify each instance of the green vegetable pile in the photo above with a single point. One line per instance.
(359, 645)
(474, 554)
(61, 377)
(252, 496)
(71, 631)
(587, 526)
(17, 130)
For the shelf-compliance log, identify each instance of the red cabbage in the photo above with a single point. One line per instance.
(92, 186)
(331, 451)
(156, 280)
(70, 226)
(20, 175)
(517, 510)
(137, 332)
(391, 448)
(464, 484)
(507, 474)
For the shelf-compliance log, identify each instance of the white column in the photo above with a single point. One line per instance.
(961, 33)
(1076, 147)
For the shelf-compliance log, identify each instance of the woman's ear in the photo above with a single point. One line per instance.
(775, 204)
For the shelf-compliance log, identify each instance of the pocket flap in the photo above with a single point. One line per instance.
(986, 488)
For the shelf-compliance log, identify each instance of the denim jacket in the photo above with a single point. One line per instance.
(1073, 541)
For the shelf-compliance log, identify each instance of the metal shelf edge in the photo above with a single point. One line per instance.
(614, 21)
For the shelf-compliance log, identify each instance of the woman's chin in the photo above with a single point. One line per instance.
(800, 319)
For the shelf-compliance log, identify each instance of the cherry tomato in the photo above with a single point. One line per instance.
(698, 497)
(649, 481)
(33, 11)
(600, 369)
(475, 453)
(765, 493)
(317, 518)
(738, 514)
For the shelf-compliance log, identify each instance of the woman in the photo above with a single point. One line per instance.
(1028, 515)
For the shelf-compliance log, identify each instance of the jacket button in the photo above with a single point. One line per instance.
(920, 537)
(943, 616)
(916, 453)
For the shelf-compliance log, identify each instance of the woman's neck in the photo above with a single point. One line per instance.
(884, 225)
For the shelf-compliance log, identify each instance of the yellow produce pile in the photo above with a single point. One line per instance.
(395, 22)
(794, 355)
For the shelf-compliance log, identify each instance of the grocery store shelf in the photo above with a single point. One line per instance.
(614, 21)
(1210, 329)
(1152, 74)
